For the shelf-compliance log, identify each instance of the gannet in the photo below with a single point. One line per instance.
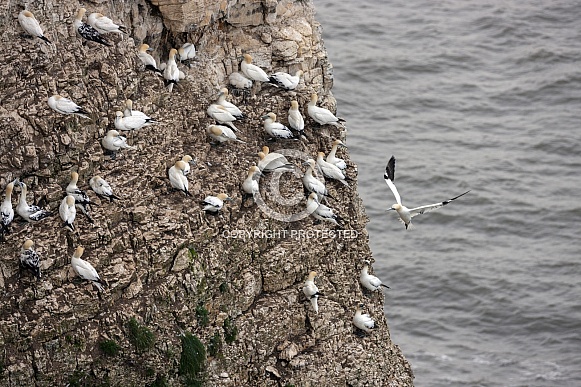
(133, 122)
(213, 204)
(66, 106)
(82, 200)
(29, 24)
(186, 52)
(229, 106)
(221, 133)
(104, 25)
(329, 170)
(239, 81)
(29, 258)
(113, 141)
(406, 214)
(272, 161)
(6, 211)
(295, 118)
(369, 281)
(84, 269)
(68, 212)
(147, 60)
(250, 184)
(102, 188)
(130, 112)
(363, 321)
(321, 211)
(253, 72)
(311, 291)
(86, 31)
(331, 158)
(177, 177)
(276, 129)
(312, 184)
(30, 213)
(321, 115)
(221, 115)
(187, 159)
(171, 73)
(285, 81)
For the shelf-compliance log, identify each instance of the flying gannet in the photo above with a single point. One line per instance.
(68, 212)
(363, 321)
(321, 115)
(86, 31)
(312, 184)
(171, 73)
(177, 177)
(29, 24)
(29, 259)
(102, 188)
(311, 291)
(229, 106)
(82, 200)
(252, 71)
(66, 106)
(295, 118)
(213, 204)
(6, 211)
(113, 141)
(331, 158)
(369, 281)
(276, 129)
(30, 213)
(285, 81)
(321, 211)
(221, 133)
(250, 184)
(406, 214)
(273, 161)
(84, 269)
(331, 171)
(104, 25)
(148, 60)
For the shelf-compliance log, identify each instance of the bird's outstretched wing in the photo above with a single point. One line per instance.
(389, 177)
(430, 207)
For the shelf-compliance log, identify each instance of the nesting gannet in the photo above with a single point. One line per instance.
(321, 211)
(276, 129)
(187, 159)
(363, 321)
(29, 259)
(331, 158)
(6, 211)
(68, 212)
(252, 71)
(295, 118)
(239, 81)
(406, 214)
(66, 106)
(84, 269)
(311, 291)
(229, 106)
(186, 52)
(213, 204)
(102, 188)
(321, 115)
(113, 141)
(369, 281)
(250, 184)
(130, 112)
(82, 200)
(147, 60)
(221, 115)
(133, 122)
(311, 183)
(86, 31)
(221, 133)
(104, 25)
(329, 170)
(286, 81)
(30, 213)
(29, 24)
(272, 161)
(171, 73)
(177, 177)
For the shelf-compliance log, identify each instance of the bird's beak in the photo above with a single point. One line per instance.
(306, 163)
(264, 117)
(389, 209)
(228, 199)
(192, 162)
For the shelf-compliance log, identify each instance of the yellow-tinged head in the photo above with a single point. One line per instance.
(261, 155)
(70, 200)
(247, 58)
(27, 244)
(9, 188)
(312, 275)
(222, 196)
(180, 165)
(81, 13)
(314, 98)
(172, 53)
(187, 158)
(28, 14)
(144, 47)
(321, 154)
(78, 252)
(74, 176)
(215, 130)
(396, 207)
(294, 105)
(265, 150)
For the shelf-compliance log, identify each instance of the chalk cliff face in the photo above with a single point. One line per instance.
(190, 299)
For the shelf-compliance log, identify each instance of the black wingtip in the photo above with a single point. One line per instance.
(390, 169)
(45, 39)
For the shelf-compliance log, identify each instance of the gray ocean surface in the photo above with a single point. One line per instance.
(480, 95)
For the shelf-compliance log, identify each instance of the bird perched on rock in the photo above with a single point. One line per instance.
(273, 161)
(130, 112)
(252, 71)
(187, 159)
(295, 118)
(132, 122)
(322, 212)
(213, 204)
(68, 212)
(285, 81)
(177, 177)
(229, 106)
(171, 73)
(221, 115)
(113, 141)
(6, 211)
(241, 84)
(321, 115)
(29, 24)
(148, 60)
(66, 106)
(104, 25)
(333, 159)
(102, 188)
(84, 269)
(221, 134)
(86, 31)
(82, 200)
(312, 291)
(250, 184)
(187, 52)
(369, 281)
(312, 184)
(29, 259)
(363, 321)
(274, 129)
(331, 171)
(30, 213)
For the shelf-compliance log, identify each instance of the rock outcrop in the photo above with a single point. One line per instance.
(190, 299)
